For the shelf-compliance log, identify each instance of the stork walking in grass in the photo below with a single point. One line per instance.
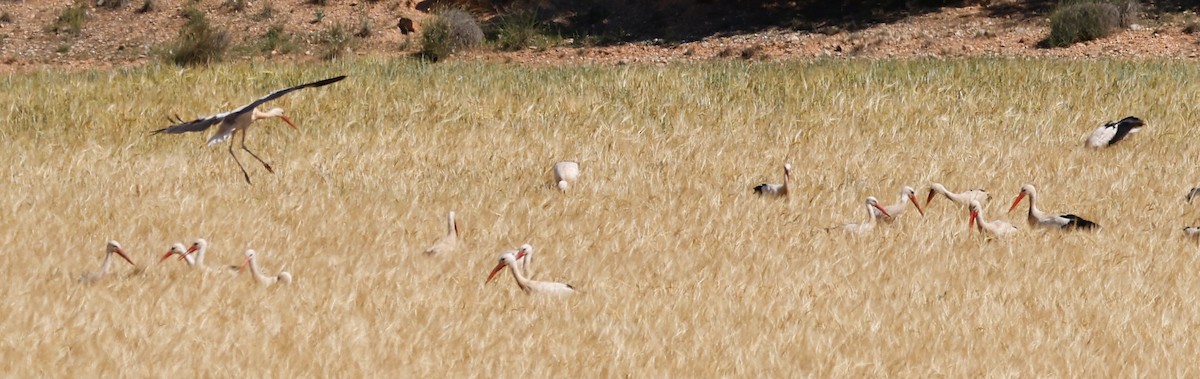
(963, 198)
(112, 248)
(1039, 219)
(1113, 132)
(447, 243)
(774, 189)
(907, 195)
(873, 206)
(528, 285)
(997, 228)
(239, 121)
(252, 262)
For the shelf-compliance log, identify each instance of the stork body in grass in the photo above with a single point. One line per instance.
(1114, 132)
(1039, 219)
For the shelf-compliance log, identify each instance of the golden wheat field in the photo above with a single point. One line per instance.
(681, 270)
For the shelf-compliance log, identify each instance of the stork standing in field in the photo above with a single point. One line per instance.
(283, 276)
(447, 243)
(997, 228)
(907, 194)
(962, 198)
(1038, 219)
(112, 248)
(525, 260)
(866, 226)
(776, 190)
(565, 173)
(194, 255)
(528, 285)
(1114, 132)
(178, 249)
(239, 120)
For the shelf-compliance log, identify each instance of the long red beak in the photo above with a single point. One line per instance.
(971, 225)
(165, 256)
(916, 204)
(122, 254)
(289, 122)
(881, 210)
(1017, 201)
(930, 197)
(244, 264)
(190, 249)
(494, 271)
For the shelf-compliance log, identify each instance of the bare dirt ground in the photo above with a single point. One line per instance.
(127, 37)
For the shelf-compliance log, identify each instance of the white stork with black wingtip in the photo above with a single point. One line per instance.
(776, 190)
(1039, 219)
(528, 285)
(1114, 132)
(239, 120)
(997, 228)
(962, 198)
(863, 227)
(907, 194)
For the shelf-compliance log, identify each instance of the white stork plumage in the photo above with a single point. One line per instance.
(907, 194)
(1113, 132)
(448, 243)
(1192, 231)
(239, 120)
(565, 173)
(962, 198)
(528, 285)
(283, 276)
(997, 228)
(1039, 219)
(873, 206)
(112, 248)
(773, 189)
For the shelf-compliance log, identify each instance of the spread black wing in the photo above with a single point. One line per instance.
(1078, 222)
(203, 123)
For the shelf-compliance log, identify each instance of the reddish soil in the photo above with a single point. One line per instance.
(127, 37)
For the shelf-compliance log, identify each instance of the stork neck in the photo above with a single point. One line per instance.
(254, 270)
(522, 281)
(106, 265)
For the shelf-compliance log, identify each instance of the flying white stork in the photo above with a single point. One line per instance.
(1038, 219)
(776, 190)
(565, 173)
(894, 211)
(962, 198)
(239, 120)
(447, 243)
(866, 226)
(283, 276)
(996, 228)
(1114, 132)
(112, 248)
(528, 285)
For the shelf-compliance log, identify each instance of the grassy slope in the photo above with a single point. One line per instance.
(681, 269)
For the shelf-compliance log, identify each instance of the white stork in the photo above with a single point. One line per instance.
(872, 206)
(996, 228)
(1114, 132)
(962, 198)
(447, 243)
(565, 173)
(1192, 194)
(239, 120)
(907, 194)
(1038, 219)
(283, 276)
(112, 248)
(528, 285)
(776, 190)
(1192, 231)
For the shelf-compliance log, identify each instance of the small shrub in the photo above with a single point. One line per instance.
(752, 52)
(6, 17)
(364, 27)
(70, 20)
(319, 2)
(198, 42)
(1082, 22)
(1191, 27)
(317, 16)
(63, 49)
(336, 41)
(520, 30)
(277, 41)
(450, 31)
(147, 7)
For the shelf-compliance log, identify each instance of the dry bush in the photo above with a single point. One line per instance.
(1085, 20)
(198, 42)
(681, 270)
(70, 20)
(449, 31)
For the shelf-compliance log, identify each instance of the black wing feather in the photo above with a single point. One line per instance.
(203, 123)
(1079, 222)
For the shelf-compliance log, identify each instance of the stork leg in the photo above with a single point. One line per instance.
(260, 160)
(239, 163)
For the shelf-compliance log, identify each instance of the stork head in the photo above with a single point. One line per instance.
(1026, 190)
(275, 112)
(114, 247)
(873, 202)
(911, 195)
(974, 208)
(506, 259)
(249, 259)
(176, 248)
